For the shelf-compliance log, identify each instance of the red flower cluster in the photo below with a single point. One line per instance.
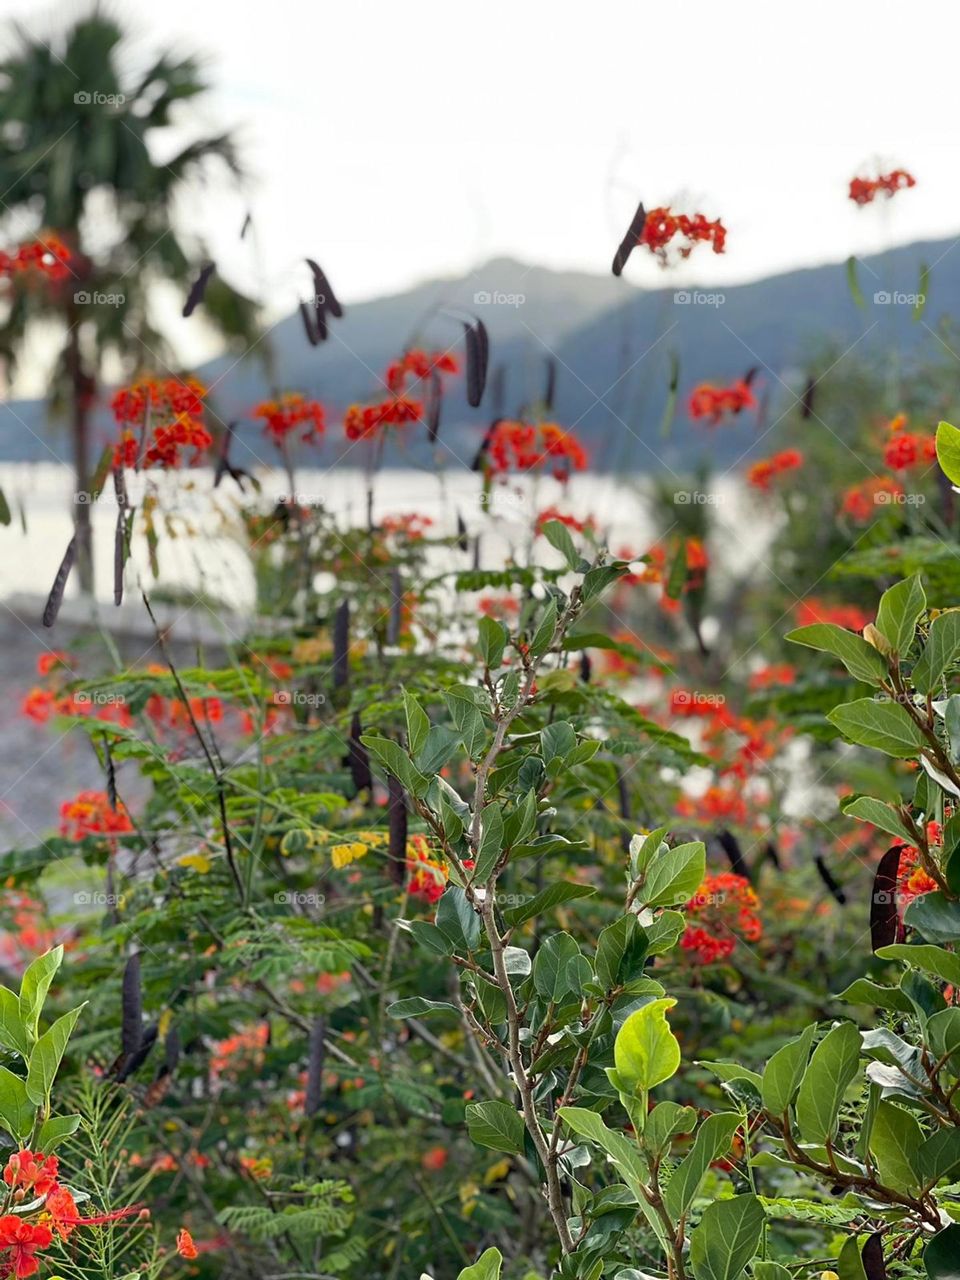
(861, 501)
(865, 190)
(89, 814)
(659, 561)
(814, 610)
(710, 402)
(905, 449)
(762, 474)
(426, 872)
(912, 879)
(361, 422)
(526, 446)
(723, 910)
(661, 226)
(418, 364)
(553, 513)
(175, 422)
(412, 525)
(776, 673)
(48, 257)
(289, 414)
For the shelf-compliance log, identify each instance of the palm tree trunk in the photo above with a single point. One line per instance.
(80, 432)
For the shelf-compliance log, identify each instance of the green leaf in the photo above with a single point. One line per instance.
(553, 896)
(543, 636)
(395, 760)
(726, 1238)
(948, 451)
(486, 1267)
(34, 987)
(942, 1255)
(418, 1007)
(457, 920)
(624, 1154)
(878, 814)
(945, 964)
(832, 1068)
(495, 1125)
(939, 1156)
(55, 1130)
(418, 723)
(646, 1052)
(558, 535)
(860, 659)
(621, 950)
(550, 967)
(863, 991)
(17, 1112)
(941, 649)
(712, 1141)
(642, 850)
(895, 1144)
(853, 284)
(491, 842)
(493, 637)
(784, 1071)
(675, 876)
(665, 1122)
(849, 1263)
(899, 611)
(47, 1054)
(936, 916)
(883, 725)
(429, 937)
(13, 1034)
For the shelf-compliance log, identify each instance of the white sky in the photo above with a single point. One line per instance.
(397, 141)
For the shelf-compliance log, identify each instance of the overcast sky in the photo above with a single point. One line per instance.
(397, 141)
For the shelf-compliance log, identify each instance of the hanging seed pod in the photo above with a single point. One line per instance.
(884, 920)
(479, 460)
(476, 554)
(55, 598)
(478, 356)
(395, 619)
(824, 873)
(171, 1052)
(729, 843)
(341, 645)
(119, 537)
(397, 825)
(136, 1060)
(247, 224)
(749, 376)
(630, 240)
(806, 400)
(324, 293)
(309, 325)
(357, 756)
(771, 852)
(132, 1008)
(434, 405)
(871, 1256)
(586, 666)
(551, 387)
(198, 289)
(314, 1092)
(224, 466)
(111, 774)
(463, 543)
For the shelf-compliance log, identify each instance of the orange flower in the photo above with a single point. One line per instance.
(434, 1159)
(89, 814)
(865, 190)
(26, 1171)
(292, 411)
(762, 474)
(185, 1246)
(723, 909)
(164, 417)
(661, 226)
(20, 1240)
(712, 403)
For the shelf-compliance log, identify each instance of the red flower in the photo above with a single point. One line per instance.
(46, 256)
(710, 402)
(662, 226)
(185, 1246)
(762, 474)
(427, 875)
(22, 1239)
(861, 502)
(288, 414)
(813, 610)
(434, 1159)
(865, 190)
(89, 814)
(28, 1172)
(164, 418)
(523, 446)
(723, 909)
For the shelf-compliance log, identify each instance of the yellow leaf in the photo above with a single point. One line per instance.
(198, 862)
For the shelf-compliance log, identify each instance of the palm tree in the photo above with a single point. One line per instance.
(78, 138)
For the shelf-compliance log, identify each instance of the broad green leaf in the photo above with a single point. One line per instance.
(665, 1122)
(942, 1255)
(486, 1267)
(395, 760)
(418, 723)
(712, 1141)
(558, 535)
(550, 966)
(55, 1130)
(491, 842)
(621, 950)
(784, 1071)
(941, 649)
(663, 932)
(934, 915)
(642, 850)
(860, 659)
(945, 964)
(849, 1262)
(863, 991)
(554, 896)
(899, 611)
(13, 1034)
(646, 1052)
(543, 636)
(878, 814)
(495, 1125)
(948, 451)
(34, 987)
(726, 1238)
(895, 1144)
(457, 920)
(429, 937)
(47, 1054)
(883, 725)
(624, 1154)
(942, 1037)
(939, 1156)
(675, 876)
(493, 637)
(17, 1112)
(831, 1070)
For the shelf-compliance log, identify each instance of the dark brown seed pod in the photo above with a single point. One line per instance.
(309, 325)
(111, 774)
(480, 456)
(871, 1256)
(198, 289)
(358, 757)
(476, 553)
(341, 645)
(314, 1092)
(395, 617)
(751, 373)
(324, 293)
(171, 1052)
(434, 405)
(119, 556)
(630, 240)
(132, 1008)
(136, 1060)
(824, 873)
(55, 598)
(729, 843)
(478, 356)
(483, 342)
(397, 825)
(884, 921)
(463, 542)
(550, 389)
(586, 666)
(806, 400)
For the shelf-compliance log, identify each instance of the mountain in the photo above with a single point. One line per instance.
(614, 346)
